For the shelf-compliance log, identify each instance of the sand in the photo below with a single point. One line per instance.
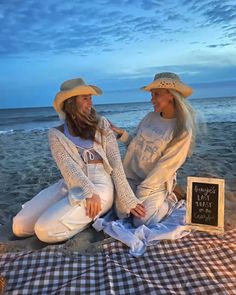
(27, 167)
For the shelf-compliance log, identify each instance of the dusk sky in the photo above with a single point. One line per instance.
(116, 44)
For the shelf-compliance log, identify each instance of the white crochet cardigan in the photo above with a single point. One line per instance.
(74, 171)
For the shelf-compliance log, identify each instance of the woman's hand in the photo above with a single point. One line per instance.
(138, 211)
(116, 129)
(93, 206)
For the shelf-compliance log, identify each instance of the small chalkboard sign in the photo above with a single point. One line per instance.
(205, 204)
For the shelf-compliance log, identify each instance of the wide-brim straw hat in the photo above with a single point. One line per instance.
(169, 80)
(72, 88)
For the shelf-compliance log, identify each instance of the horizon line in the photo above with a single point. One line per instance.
(131, 102)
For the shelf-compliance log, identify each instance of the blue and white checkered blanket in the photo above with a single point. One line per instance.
(199, 263)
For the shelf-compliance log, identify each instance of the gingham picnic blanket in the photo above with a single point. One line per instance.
(199, 263)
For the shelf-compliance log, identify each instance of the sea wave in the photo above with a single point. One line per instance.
(114, 112)
(3, 132)
(123, 125)
(124, 115)
(29, 119)
(6, 131)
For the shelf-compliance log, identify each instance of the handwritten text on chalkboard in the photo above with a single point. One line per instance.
(205, 203)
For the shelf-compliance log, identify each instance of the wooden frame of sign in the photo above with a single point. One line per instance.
(205, 204)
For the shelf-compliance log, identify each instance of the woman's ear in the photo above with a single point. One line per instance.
(171, 98)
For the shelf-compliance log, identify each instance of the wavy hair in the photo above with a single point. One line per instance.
(185, 119)
(80, 124)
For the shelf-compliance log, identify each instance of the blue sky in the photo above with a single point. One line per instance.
(117, 45)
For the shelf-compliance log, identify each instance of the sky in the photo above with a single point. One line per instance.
(118, 45)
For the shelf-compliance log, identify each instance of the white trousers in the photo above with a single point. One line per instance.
(50, 215)
(159, 203)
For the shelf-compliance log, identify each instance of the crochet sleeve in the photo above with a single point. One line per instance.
(69, 165)
(171, 160)
(125, 195)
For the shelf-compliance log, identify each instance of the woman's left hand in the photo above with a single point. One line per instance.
(93, 206)
(138, 211)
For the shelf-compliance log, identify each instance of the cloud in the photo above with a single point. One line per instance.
(194, 74)
(60, 27)
(219, 45)
(220, 12)
(216, 14)
(102, 25)
(213, 12)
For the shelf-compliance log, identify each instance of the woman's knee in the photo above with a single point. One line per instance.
(46, 232)
(22, 227)
(55, 231)
(155, 212)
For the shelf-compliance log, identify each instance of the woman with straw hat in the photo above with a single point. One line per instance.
(87, 155)
(159, 146)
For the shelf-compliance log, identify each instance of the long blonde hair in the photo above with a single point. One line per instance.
(185, 119)
(80, 124)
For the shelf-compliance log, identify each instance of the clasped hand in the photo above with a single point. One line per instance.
(138, 211)
(93, 206)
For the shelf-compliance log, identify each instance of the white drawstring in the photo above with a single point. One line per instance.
(87, 155)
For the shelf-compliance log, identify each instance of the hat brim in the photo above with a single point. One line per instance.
(182, 88)
(63, 95)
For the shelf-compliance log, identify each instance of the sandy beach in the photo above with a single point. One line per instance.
(27, 167)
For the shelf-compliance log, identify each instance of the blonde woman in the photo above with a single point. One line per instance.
(159, 147)
(86, 153)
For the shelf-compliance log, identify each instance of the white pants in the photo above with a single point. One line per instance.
(50, 215)
(159, 203)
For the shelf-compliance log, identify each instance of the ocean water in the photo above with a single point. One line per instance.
(125, 115)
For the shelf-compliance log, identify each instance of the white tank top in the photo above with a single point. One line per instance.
(85, 146)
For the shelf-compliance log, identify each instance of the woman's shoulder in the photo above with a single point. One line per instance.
(54, 130)
(147, 117)
(104, 123)
(149, 114)
(60, 128)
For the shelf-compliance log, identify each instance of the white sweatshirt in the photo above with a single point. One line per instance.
(148, 160)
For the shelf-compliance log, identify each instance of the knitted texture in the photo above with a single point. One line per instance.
(125, 198)
(74, 171)
(149, 162)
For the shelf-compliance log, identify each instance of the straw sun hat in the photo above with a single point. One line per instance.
(169, 81)
(72, 88)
